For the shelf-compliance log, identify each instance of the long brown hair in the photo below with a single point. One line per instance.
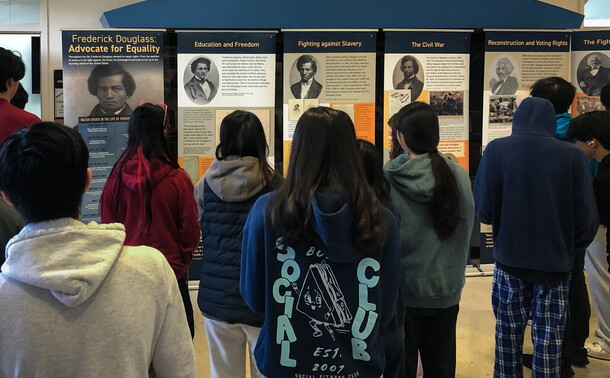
(324, 159)
(147, 140)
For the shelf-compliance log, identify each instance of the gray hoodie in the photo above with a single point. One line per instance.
(76, 303)
(433, 270)
(234, 179)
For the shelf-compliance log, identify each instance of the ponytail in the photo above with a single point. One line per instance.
(444, 206)
(418, 124)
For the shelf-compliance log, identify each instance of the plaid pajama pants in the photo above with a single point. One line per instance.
(513, 300)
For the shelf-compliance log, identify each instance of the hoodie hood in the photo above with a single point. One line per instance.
(534, 116)
(236, 178)
(412, 177)
(136, 169)
(332, 222)
(65, 256)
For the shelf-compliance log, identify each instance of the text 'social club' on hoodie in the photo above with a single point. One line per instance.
(323, 301)
(77, 303)
(174, 229)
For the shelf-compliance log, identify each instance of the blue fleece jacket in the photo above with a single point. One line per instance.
(323, 301)
(563, 122)
(536, 192)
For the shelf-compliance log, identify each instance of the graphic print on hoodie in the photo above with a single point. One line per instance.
(323, 301)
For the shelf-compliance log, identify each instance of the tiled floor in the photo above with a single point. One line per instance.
(475, 337)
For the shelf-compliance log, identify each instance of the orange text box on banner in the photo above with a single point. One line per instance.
(204, 164)
(287, 150)
(363, 116)
(457, 151)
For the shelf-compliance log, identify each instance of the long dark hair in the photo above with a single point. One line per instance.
(324, 159)
(242, 134)
(373, 171)
(418, 125)
(395, 148)
(146, 138)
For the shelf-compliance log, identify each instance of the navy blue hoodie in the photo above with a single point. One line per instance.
(323, 301)
(536, 192)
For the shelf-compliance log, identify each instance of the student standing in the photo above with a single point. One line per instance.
(542, 214)
(237, 177)
(436, 208)
(561, 94)
(12, 118)
(153, 197)
(320, 258)
(76, 301)
(592, 134)
(392, 334)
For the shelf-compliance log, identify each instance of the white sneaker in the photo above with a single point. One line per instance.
(596, 350)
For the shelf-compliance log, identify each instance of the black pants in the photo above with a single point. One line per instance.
(432, 332)
(577, 325)
(188, 306)
(394, 348)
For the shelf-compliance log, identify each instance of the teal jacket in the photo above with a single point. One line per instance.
(563, 122)
(433, 270)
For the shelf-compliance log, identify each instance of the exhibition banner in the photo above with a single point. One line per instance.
(590, 68)
(329, 68)
(106, 73)
(431, 67)
(219, 72)
(513, 63)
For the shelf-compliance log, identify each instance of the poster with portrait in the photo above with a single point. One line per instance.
(106, 74)
(329, 68)
(431, 67)
(219, 72)
(514, 60)
(590, 68)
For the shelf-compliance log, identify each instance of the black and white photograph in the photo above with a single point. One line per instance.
(112, 85)
(588, 104)
(503, 77)
(502, 109)
(201, 78)
(448, 103)
(409, 75)
(307, 86)
(110, 89)
(593, 73)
